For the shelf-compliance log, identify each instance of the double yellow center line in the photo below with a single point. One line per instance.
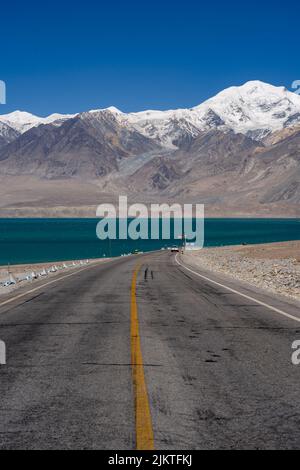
(143, 421)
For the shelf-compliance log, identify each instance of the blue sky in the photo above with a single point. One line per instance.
(69, 57)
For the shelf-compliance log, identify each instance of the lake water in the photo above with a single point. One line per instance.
(41, 240)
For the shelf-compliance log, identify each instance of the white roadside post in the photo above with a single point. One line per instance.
(2, 353)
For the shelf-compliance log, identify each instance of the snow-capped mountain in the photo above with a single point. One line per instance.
(237, 151)
(255, 109)
(22, 121)
(90, 145)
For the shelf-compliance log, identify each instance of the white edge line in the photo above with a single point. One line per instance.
(281, 312)
(46, 284)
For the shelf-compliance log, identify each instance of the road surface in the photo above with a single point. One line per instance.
(140, 353)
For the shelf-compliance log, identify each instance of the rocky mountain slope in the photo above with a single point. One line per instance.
(87, 146)
(22, 121)
(7, 134)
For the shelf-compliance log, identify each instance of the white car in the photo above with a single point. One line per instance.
(174, 249)
(8, 283)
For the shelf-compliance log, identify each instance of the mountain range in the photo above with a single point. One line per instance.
(238, 152)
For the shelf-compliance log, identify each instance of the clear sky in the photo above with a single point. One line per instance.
(62, 56)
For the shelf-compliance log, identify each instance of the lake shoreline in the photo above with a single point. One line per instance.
(32, 241)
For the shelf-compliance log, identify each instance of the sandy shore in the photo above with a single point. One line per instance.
(29, 273)
(274, 267)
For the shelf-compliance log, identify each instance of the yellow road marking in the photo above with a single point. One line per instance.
(143, 421)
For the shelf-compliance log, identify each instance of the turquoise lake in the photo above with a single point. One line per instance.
(41, 240)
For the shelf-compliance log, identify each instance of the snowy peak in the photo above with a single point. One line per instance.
(21, 121)
(57, 117)
(111, 109)
(254, 107)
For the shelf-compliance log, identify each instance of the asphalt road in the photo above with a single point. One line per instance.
(212, 368)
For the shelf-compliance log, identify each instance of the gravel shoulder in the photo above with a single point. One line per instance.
(274, 267)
